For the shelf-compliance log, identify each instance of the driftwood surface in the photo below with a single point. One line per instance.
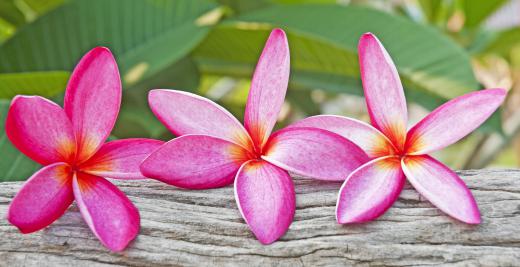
(204, 228)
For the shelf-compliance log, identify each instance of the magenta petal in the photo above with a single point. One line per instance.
(442, 187)
(314, 152)
(266, 199)
(383, 90)
(120, 159)
(186, 113)
(40, 129)
(92, 100)
(368, 138)
(452, 121)
(42, 199)
(195, 162)
(268, 88)
(370, 190)
(108, 212)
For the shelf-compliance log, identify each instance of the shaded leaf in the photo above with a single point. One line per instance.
(430, 9)
(476, 11)
(324, 51)
(14, 165)
(46, 84)
(11, 13)
(504, 41)
(135, 118)
(145, 36)
(6, 30)
(243, 6)
(44, 6)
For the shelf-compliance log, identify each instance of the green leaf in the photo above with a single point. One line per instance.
(243, 6)
(135, 118)
(437, 12)
(6, 30)
(43, 6)
(46, 84)
(476, 11)
(493, 124)
(146, 36)
(430, 9)
(11, 13)
(504, 42)
(324, 51)
(14, 165)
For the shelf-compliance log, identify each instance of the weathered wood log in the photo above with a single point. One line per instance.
(201, 228)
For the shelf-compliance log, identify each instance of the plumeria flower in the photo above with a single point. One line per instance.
(70, 143)
(395, 154)
(215, 149)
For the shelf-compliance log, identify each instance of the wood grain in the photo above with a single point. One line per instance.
(204, 228)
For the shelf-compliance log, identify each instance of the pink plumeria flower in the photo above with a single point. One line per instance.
(372, 188)
(215, 149)
(70, 143)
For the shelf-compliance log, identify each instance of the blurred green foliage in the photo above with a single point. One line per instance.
(211, 47)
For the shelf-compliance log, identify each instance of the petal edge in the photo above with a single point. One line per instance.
(268, 88)
(108, 212)
(268, 210)
(442, 187)
(44, 197)
(370, 191)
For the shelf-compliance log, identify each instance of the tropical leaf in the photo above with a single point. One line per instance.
(135, 118)
(6, 30)
(430, 9)
(323, 52)
(504, 42)
(476, 11)
(11, 13)
(243, 6)
(146, 36)
(14, 165)
(46, 84)
(43, 6)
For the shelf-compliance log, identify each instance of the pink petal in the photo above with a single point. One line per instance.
(370, 190)
(383, 90)
(268, 87)
(120, 159)
(40, 129)
(186, 113)
(368, 138)
(92, 100)
(314, 152)
(108, 212)
(453, 120)
(195, 162)
(42, 199)
(442, 187)
(265, 197)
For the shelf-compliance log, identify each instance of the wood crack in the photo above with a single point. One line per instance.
(194, 228)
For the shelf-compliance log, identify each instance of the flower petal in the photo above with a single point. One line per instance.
(268, 88)
(195, 162)
(314, 152)
(370, 190)
(108, 212)
(186, 113)
(371, 140)
(92, 100)
(453, 120)
(383, 90)
(120, 159)
(442, 187)
(42, 199)
(266, 199)
(40, 129)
